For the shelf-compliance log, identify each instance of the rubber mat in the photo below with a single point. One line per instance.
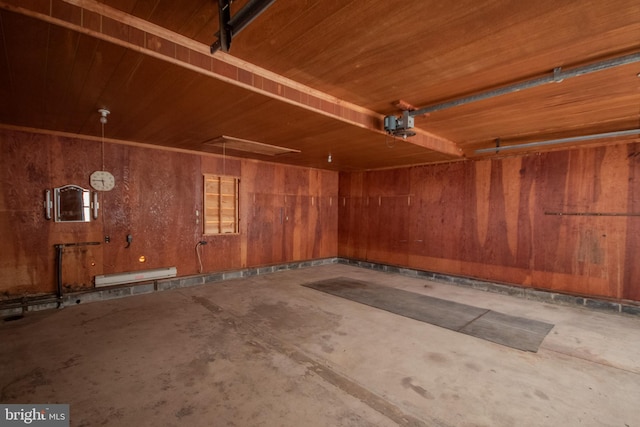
(511, 331)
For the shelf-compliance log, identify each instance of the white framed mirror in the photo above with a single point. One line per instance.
(72, 204)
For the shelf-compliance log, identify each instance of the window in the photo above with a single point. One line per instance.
(221, 204)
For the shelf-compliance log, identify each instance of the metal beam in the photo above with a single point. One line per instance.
(560, 141)
(248, 13)
(557, 76)
(234, 25)
(224, 35)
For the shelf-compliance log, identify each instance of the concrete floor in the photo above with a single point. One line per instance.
(265, 351)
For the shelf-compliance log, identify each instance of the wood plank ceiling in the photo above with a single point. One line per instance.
(319, 75)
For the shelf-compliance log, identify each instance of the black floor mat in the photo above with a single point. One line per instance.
(511, 331)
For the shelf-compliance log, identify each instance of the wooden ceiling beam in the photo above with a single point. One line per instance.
(114, 26)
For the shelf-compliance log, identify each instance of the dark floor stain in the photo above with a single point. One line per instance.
(473, 366)
(326, 348)
(437, 357)
(447, 396)
(340, 283)
(281, 316)
(159, 403)
(25, 384)
(115, 413)
(184, 411)
(541, 395)
(165, 380)
(407, 382)
(256, 348)
(72, 361)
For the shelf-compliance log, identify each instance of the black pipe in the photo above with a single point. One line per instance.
(59, 251)
(59, 271)
(79, 244)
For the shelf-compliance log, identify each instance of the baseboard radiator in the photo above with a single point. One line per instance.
(134, 276)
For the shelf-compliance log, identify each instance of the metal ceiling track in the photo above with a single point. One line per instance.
(231, 26)
(558, 75)
(619, 133)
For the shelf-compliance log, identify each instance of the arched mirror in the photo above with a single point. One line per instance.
(73, 204)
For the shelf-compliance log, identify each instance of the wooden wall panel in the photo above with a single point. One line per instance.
(352, 222)
(311, 246)
(158, 200)
(435, 214)
(25, 250)
(631, 267)
(290, 218)
(266, 213)
(388, 232)
(296, 192)
(325, 229)
(155, 203)
(266, 230)
(565, 221)
(387, 200)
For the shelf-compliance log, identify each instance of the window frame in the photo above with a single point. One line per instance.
(220, 213)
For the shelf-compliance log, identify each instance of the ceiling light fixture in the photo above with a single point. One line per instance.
(103, 115)
(103, 120)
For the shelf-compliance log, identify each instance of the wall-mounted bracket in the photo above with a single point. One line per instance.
(95, 205)
(48, 204)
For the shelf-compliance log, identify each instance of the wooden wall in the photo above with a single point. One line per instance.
(498, 219)
(286, 213)
(493, 219)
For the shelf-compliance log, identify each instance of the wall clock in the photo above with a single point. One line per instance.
(102, 181)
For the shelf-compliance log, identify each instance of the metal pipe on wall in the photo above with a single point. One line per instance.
(59, 251)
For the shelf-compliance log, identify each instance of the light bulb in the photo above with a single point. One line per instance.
(103, 115)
